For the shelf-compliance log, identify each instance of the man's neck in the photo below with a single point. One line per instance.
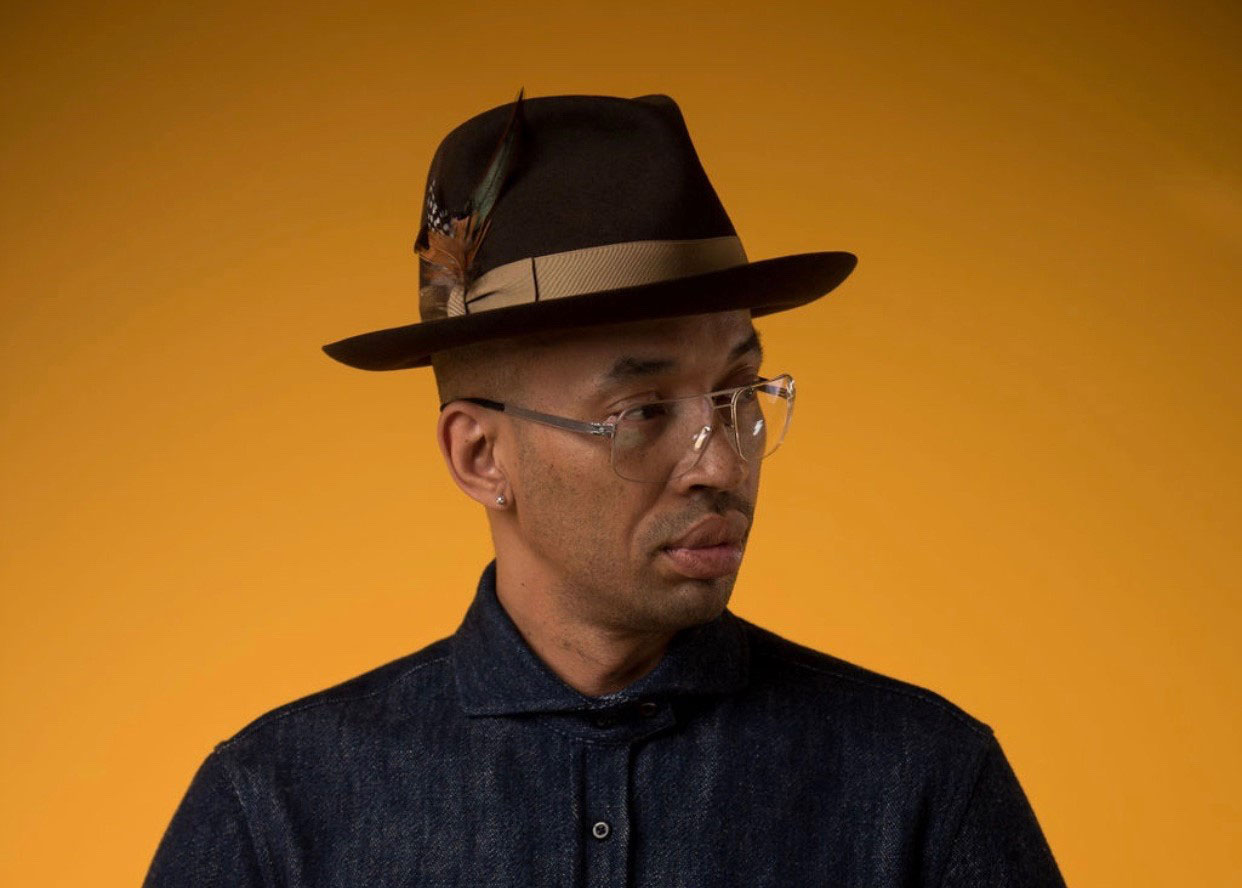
(591, 659)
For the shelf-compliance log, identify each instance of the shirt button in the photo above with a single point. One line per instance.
(602, 721)
(601, 829)
(647, 709)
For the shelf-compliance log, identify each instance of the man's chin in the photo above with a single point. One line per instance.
(691, 602)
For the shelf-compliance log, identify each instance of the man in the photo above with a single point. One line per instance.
(601, 717)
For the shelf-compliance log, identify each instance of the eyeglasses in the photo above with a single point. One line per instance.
(660, 440)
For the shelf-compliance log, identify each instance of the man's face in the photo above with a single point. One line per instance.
(606, 547)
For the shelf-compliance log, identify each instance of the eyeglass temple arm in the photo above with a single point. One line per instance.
(601, 429)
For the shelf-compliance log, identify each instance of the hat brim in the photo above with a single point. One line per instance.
(765, 287)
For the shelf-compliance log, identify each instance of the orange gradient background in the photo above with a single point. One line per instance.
(1013, 476)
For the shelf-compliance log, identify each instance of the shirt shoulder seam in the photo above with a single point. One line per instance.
(294, 709)
(979, 728)
(965, 796)
(261, 851)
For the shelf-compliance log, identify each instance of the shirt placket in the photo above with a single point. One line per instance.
(604, 761)
(605, 807)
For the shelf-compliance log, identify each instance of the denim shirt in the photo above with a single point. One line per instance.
(741, 759)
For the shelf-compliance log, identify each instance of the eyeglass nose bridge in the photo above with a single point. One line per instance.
(702, 438)
(720, 402)
(699, 444)
(729, 406)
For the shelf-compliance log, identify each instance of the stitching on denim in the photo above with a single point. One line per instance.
(967, 790)
(277, 716)
(549, 704)
(586, 739)
(262, 852)
(576, 862)
(965, 719)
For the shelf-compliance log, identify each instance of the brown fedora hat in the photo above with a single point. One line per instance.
(566, 211)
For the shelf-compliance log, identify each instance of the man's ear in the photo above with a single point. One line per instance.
(467, 435)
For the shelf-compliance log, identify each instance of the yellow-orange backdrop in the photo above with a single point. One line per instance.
(1012, 479)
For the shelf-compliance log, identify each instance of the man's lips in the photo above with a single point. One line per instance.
(705, 562)
(711, 548)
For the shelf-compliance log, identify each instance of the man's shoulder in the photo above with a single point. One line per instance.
(374, 698)
(828, 686)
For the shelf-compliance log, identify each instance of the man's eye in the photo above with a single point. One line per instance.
(646, 412)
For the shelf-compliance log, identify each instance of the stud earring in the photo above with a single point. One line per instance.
(500, 500)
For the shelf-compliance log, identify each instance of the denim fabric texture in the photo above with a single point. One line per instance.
(742, 759)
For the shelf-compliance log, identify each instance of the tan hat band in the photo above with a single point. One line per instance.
(592, 269)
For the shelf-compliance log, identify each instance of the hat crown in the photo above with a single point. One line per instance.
(589, 171)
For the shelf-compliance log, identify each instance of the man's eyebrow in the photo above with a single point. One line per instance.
(631, 368)
(751, 343)
(627, 368)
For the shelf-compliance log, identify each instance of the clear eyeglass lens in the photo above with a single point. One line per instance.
(652, 440)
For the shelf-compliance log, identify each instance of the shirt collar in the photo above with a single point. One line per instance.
(497, 673)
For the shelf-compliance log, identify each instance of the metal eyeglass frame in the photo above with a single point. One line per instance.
(608, 429)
